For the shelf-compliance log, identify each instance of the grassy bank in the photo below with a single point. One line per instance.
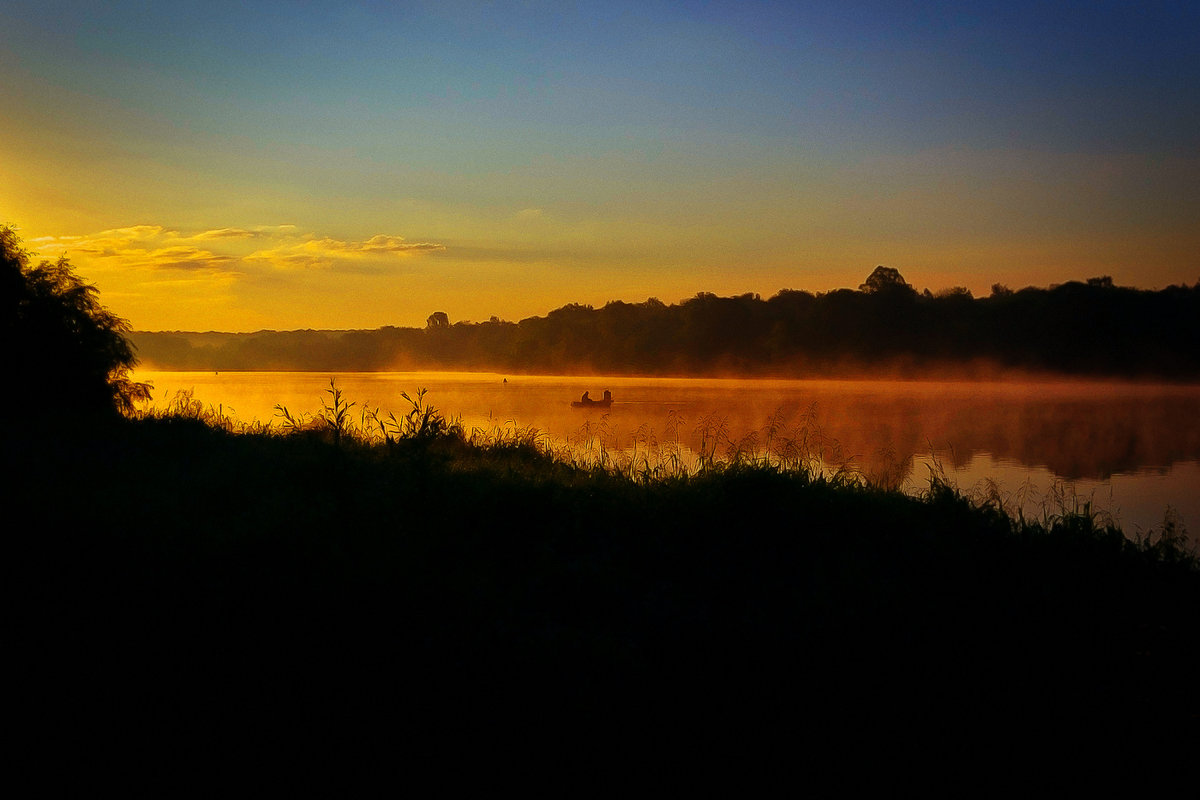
(346, 566)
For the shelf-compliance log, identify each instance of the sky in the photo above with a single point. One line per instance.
(267, 165)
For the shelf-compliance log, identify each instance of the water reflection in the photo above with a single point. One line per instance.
(1121, 442)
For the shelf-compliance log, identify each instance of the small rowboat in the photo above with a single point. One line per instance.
(592, 403)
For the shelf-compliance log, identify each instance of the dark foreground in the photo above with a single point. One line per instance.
(171, 577)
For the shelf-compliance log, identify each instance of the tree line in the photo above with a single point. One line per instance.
(1086, 328)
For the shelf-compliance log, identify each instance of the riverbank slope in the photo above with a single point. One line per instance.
(170, 570)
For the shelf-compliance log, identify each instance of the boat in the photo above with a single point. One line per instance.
(587, 402)
(591, 403)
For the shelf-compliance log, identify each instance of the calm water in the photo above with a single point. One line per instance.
(1132, 449)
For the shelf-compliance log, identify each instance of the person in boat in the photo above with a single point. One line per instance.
(607, 396)
(585, 399)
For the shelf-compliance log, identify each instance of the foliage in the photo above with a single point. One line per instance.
(336, 413)
(311, 586)
(422, 423)
(886, 279)
(286, 572)
(398, 568)
(1088, 328)
(59, 340)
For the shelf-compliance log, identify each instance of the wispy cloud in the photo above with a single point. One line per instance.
(187, 258)
(229, 250)
(104, 243)
(137, 246)
(258, 232)
(325, 253)
(228, 233)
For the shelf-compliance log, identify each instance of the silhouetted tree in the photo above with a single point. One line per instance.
(437, 320)
(59, 343)
(886, 279)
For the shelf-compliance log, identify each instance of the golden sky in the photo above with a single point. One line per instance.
(241, 166)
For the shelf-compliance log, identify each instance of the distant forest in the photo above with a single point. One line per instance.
(1082, 328)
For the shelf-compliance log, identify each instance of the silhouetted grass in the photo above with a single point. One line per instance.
(179, 567)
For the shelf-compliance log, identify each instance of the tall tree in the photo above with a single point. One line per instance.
(886, 279)
(60, 348)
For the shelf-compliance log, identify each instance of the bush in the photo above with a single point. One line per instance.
(65, 351)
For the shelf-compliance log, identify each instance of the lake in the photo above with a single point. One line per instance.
(1131, 449)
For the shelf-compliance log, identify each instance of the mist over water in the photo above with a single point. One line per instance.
(1132, 449)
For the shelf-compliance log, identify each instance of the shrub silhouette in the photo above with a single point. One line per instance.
(886, 279)
(71, 352)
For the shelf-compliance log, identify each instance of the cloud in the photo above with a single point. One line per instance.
(379, 243)
(258, 232)
(138, 246)
(229, 250)
(187, 258)
(327, 253)
(396, 244)
(104, 243)
(228, 233)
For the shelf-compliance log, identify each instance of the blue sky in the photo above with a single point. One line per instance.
(519, 156)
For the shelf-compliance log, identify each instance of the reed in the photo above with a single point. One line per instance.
(336, 413)
(410, 561)
(794, 448)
